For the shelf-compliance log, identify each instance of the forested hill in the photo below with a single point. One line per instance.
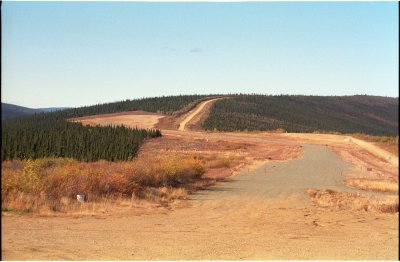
(345, 114)
(162, 104)
(51, 135)
(10, 111)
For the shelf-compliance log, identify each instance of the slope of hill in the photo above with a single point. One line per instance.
(49, 134)
(10, 111)
(53, 109)
(163, 104)
(346, 114)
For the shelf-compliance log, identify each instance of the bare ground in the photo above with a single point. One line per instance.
(235, 220)
(139, 119)
(261, 212)
(193, 113)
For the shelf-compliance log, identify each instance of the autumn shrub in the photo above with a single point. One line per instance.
(52, 182)
(218, 162)
(170, 170)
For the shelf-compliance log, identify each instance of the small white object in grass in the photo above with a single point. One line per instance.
(80, 198)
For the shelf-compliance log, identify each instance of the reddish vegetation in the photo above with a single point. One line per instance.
(253, 150)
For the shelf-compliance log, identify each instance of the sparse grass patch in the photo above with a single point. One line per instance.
(218, 162)
(376, 185)
(388, 143)
(356, 201)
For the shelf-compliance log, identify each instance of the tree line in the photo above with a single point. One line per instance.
(42, 136)
(296, 113)
(51, 135)
(163, 105)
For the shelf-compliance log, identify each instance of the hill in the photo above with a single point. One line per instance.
(163, 105)
(345, 114)
(51, 135)
(10, 111)
(53, 109)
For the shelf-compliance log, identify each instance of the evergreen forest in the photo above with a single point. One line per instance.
(51, 135)
(294, 113)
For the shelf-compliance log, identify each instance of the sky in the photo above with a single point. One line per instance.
(84, 53)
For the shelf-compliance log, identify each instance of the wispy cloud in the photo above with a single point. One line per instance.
(167, 48)
(196, 50)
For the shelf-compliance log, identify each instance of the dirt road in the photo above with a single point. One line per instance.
(261, 214)
(394, 160)
(197, 110)
(258, 214)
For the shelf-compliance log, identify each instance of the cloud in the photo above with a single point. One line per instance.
(196, 50)
(167, 48)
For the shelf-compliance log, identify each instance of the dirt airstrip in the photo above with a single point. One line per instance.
(261, 212)
(140, 119)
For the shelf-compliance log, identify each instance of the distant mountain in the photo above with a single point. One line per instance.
(10, 111)
(52, 109)
(372, 115)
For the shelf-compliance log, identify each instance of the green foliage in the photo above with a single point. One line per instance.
(345, 114)
(163, 105)
(50, 135)
(45, 135)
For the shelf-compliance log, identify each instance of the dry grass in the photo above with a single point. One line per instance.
(255, 150)
(355, 201)
(52, 184)
(215, 161)
(167, 168)
(375, 185)
(388, 143)
(361, 159)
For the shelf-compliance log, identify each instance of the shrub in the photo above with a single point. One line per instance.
(30, 184)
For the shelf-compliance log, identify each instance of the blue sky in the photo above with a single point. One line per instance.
(83, 53)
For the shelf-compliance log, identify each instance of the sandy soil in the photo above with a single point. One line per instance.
(231, 228)
(261, 212)
(139, 119)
